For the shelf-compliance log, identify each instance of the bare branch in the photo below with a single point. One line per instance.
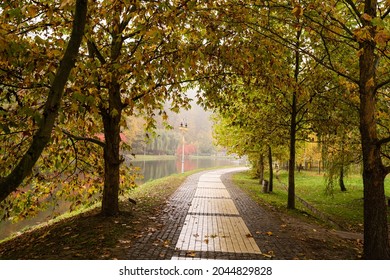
(93, 50)
(386, 13)
(355, 10)
(382, 84)
(80, 138)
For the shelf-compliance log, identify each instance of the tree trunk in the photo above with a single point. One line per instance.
(293, 128)
(261, 169)
(376, 242)
(111, 122)
(271, 172)
(341, 179)
(291, 165)
(51, 108)
(112, 160)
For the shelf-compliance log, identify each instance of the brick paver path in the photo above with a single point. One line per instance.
(213, 223)
(210, 218)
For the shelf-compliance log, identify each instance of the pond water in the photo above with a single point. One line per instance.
(151, 169)
(155, 169)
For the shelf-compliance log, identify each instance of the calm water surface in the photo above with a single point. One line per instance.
(161, 168)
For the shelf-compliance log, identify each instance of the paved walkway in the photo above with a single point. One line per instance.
(213, 223)
(209, 218)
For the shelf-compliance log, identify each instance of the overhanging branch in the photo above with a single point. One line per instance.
(80, 138)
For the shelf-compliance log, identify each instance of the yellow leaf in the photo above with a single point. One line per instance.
(66, 3)
(267, 255)
(190, 254)
(360, 52)
(32, 10)
(363, 34)
(297, 11)
(382, 37)
(165, 116)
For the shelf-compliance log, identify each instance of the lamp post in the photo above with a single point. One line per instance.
(183, 128)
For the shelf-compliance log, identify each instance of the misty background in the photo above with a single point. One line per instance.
(198, 133)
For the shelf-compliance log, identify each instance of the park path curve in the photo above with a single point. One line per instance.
(213, 222)
(208, 217)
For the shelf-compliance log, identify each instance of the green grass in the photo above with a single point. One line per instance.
(345, 208)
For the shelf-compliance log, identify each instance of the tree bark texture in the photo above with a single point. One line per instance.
(51, 108)
(291, 165)
(376, 241)
(341, 179)
(271, 171)
(293, 128)
(261, 169)
(111, 122)
(112, 160)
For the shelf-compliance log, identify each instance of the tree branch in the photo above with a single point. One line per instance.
(10, 183)
(386, 13)
(354, 8)
(383, 141)
(80, 138)
(93, 50)
(382, 84)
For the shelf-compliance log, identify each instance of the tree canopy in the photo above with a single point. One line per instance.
(277, 73)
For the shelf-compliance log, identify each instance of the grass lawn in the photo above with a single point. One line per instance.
(345, 208)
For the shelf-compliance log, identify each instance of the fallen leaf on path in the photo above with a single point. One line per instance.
(190, 254)
(151, 229)
(166, 243)
(269, 233)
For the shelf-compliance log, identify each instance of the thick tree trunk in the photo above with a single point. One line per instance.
(112, 160)
(376, 242)
(271, 171)
(293, 128)
(52, 106)
(111, 121)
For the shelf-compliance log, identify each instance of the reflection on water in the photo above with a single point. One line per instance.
(161, 168)
(152, 169)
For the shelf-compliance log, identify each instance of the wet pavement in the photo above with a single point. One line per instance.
(210, 218)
